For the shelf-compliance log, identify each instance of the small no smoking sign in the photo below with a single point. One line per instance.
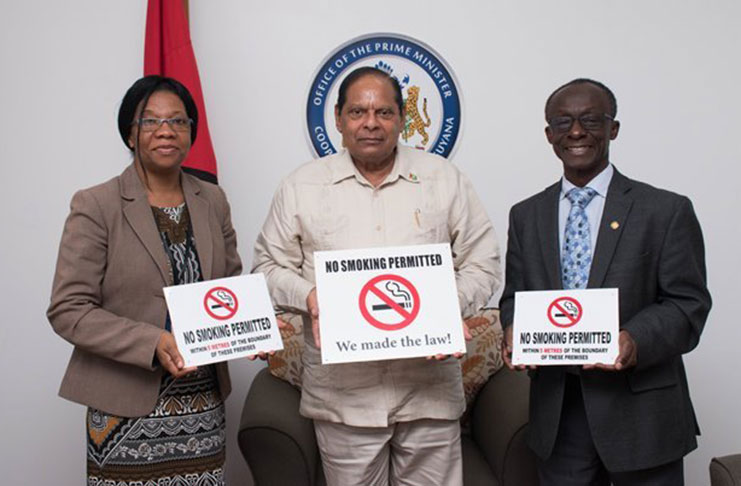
(565, 327)
(387, 303)
(222, 319)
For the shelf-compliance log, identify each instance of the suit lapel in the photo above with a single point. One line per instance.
(138, 213)
(547, 221)
(614, 217)
(199, 210)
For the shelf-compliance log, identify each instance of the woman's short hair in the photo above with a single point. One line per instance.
(139, 93)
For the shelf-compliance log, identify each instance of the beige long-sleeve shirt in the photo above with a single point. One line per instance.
(327, 204)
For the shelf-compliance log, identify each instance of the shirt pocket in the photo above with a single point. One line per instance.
(430, 226)
(329, 231)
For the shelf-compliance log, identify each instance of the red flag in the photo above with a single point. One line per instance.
(169, 52)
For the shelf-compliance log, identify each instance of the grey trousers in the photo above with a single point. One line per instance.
(575, 461)
(417, 453)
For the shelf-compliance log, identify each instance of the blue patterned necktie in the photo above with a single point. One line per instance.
(576, 258)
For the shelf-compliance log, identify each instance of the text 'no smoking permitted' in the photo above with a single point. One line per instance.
(387, 303)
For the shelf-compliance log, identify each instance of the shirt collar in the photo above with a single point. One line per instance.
(343, 168)
(403, 167)
(600, 183)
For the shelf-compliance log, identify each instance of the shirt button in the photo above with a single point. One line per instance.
(378, 228)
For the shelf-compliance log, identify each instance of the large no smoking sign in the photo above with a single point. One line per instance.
(386, 303)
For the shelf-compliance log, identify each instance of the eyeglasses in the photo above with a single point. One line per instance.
(152, 124)
(588, 121)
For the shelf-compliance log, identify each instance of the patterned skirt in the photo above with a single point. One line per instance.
(181, 443)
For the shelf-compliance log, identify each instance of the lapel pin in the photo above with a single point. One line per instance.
(614, 225)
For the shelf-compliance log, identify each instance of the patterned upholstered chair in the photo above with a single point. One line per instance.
(279, 445)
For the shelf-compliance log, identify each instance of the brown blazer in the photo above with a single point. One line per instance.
(107, 295)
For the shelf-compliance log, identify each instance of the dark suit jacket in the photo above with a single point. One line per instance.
(642, 417)
(107, 296)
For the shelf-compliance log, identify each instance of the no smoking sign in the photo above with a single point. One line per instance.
(222, 319)
(565, 327)
(565, 312)
(389, 302)
(220, 303)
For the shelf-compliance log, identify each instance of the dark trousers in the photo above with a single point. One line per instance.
(575, 462)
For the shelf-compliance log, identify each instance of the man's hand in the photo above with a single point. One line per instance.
(627, 355)
(262, 354)
(466, 334)
(313, 308)
(507, 351)
(169, 356)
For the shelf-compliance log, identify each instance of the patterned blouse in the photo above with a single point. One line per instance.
(177, 237)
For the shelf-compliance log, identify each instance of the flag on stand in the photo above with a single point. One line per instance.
(168, 52)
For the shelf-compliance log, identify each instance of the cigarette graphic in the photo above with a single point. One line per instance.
(405, 305)
(395, 290)
(571, 310)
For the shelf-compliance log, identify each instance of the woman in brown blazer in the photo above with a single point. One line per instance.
(149, 418)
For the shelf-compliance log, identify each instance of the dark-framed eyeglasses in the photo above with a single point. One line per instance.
(588, 121)
(151, 124)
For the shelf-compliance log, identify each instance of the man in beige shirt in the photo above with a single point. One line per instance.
(394, 421)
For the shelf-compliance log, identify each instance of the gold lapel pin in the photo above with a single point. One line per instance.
(614, 225)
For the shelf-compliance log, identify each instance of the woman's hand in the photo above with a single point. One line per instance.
(169, 356)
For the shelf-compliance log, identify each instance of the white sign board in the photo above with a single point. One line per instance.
(222, 319)
(387, 303)
(565, 327)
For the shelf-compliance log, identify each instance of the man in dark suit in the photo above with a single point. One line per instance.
(630, 422)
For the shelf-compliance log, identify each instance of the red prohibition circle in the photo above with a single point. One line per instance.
(371, 287)
(555, 306)
(212, 301)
